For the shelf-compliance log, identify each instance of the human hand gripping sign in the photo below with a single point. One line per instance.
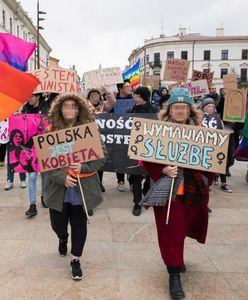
(171, 171)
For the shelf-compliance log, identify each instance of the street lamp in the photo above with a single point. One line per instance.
(39, 12)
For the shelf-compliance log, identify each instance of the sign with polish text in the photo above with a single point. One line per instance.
(181, 145)
(176, 70)
(58, 149)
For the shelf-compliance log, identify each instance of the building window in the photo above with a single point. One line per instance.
(18, 30)
(156, 59)
(224, 54)
(206, 55)
(223, 72)
(4, 19)
(24, 35)
(243, 75)
(244, 54)
(206, 70)
(147, 59)
(11, 25)
(184, 54)
(170, 54)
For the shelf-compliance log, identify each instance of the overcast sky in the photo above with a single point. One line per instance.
(86, 33)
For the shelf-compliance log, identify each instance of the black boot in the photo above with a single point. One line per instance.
(176, 290)
(32, 211)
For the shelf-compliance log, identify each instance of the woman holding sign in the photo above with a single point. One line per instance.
(189, 210)
(62, 195)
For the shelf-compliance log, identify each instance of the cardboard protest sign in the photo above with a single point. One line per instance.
(100, 77)
(196, 88)
(123, 105)
(235, 106)
(212, 121)
(22, 154)
(60, 148)
(56, 80)
(154, 81)
(198, 75)
(115, 132)
(176, 69)
(230, 82)
(182, 145)
(4, 132)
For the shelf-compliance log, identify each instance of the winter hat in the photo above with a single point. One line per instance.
(179, 95)
(143, 92)
(207, 101)
(163, 99)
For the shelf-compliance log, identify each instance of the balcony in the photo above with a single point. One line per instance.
(155, 64)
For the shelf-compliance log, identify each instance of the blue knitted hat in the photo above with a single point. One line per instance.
(179, 95)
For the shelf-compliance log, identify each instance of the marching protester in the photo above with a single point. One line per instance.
(142, 105)
(213, 94)
(36, 104)
(97, 105)
(16, 140)
(124, 92)
(189, 210)
(62, 195)
(209, 108)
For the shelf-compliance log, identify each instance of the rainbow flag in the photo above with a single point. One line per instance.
(15, 50)
(15, 88)
(133, 74)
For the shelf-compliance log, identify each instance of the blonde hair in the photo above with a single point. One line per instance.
(55, 115)
(164, 114)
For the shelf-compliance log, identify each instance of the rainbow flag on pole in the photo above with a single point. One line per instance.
(15, 51)
(133, 74)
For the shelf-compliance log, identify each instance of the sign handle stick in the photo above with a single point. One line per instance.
(82, 194)
(169, 203)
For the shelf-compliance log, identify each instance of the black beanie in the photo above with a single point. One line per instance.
(143, 92)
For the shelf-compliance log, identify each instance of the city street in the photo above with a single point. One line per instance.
(121, 258)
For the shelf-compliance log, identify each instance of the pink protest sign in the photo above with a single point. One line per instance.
(22, 154)
(4, 132)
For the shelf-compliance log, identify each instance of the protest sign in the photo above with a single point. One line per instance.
(182, 145)
(212, 121)
(115, 132)
(230, 82)
(198, 75)
(4, 132)
(235, 106)
(22, 154)
(58, 149)
(196, 88)
(176, 70)
(123, 105)
(56, 80)
(153, 81)
(100, 77)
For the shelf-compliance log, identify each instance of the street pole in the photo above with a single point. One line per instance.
(38, 38)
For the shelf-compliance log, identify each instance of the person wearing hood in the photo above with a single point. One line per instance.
(62, 195)
(142, 105)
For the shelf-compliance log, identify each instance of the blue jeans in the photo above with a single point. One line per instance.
(10, 175)
(32, 186)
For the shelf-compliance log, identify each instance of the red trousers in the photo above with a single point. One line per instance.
(191, 220)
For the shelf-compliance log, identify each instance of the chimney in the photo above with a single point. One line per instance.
(220, 31)
(182, 31)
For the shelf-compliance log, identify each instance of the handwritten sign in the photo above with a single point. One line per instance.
(196, 88)
(154, 81)
(182, 145)
(235, 106)
(60, 148)
(198, 75)
(100, 77)
(4, 134)
(56, 80)
(123, 105)
(176, 69)
(230, 82)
